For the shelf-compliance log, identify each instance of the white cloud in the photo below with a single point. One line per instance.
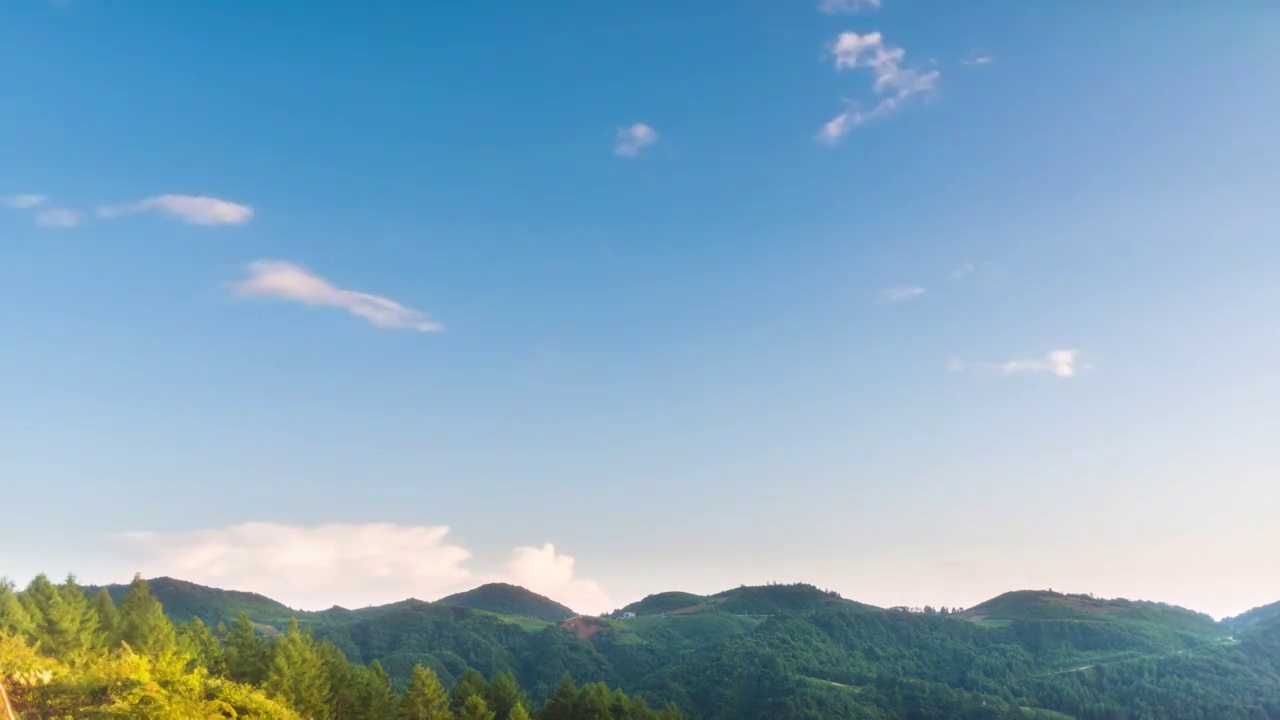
(835, 7)
(836, 128)
(286, 281)
(24, 201)
(191, 209)
(549, 573)
(899, 293)
(956, 365)
(631, 140)
(979, 58)
(350, 564)
(1062, 363)
(48, 217)
(59, 218)
(894, 82)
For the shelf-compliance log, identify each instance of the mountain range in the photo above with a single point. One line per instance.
(799, 651)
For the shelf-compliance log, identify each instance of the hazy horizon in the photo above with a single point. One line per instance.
(919, 303)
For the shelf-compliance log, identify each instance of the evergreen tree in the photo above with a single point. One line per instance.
(471, 682)
(595, 700)
(425, 698)
(475, 708)
(561, 703)
(143, 623)
(504, 694)
(518, 713)
(14, 618)
(296, 673)
(243, 655)
(343, 690)
(199, 644)
(109, 623)
(375, 698)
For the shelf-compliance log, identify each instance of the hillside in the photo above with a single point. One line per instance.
(505, 599)
(744, 600)
(662, 603)
(1249, 620)
(795, 651)
(1049, 605)
(184, 601)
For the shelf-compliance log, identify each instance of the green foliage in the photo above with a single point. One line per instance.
(504, 695)
(14, 618)
(297, 674)
(375, 698)
(662, 603)
(144, 626)
(110, 625)
(505, 599)
(425, 698)
(244, 653)
(800, 653)
(475, 708)
(62, 656)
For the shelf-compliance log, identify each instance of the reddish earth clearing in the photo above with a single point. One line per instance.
(585, 627)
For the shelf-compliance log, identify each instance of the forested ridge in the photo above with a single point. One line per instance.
(68, 654)
(776, 652)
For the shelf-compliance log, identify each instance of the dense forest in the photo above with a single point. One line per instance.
(68, 654)
(752, 653)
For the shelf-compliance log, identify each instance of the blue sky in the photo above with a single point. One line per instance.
(916, 302)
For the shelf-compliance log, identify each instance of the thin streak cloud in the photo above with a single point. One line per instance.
(286, 281)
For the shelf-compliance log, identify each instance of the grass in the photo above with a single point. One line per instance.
(527, 624)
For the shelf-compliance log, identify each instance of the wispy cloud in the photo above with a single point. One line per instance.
(962, 270)
(956, 365)
(979, 57)
(892, 80)
(287, 281)
(899, 293)
(1062, 363)
(45, 215)
(836, 7)
(631, 140)
(191, 209)
(59, 218)
(350, 564)
(23, 202)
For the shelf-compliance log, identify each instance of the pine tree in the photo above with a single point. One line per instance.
(471, 682)
(14, 618)
(76, 621)
(504, 694)
(199, 644)
(243, 652)
(518, 713)
(296, 673)
(560, 705)
(375, 696)
(143, 624)
(109, 623)
(425, 698)
(343, 690)
(595, 700)
(475, 708)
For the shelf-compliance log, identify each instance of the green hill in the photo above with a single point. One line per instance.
(795, 651)
(183, 601)
(1049, 605)
(662, 603)
(505, 599)
(1247, 621)
(744, 600)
